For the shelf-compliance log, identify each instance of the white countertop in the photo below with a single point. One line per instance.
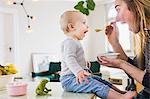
(56, 93)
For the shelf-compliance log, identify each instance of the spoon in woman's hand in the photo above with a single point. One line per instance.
(107, 27)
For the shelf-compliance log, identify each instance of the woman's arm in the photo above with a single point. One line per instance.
(118, 49)
(112, 32)
(136, 73)
(133, 71)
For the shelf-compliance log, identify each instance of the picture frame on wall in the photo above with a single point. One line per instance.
(41, 61)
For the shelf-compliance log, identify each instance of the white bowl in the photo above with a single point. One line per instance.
(109, 55)
(4, 80)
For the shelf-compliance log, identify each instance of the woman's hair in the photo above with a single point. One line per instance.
(141, 12)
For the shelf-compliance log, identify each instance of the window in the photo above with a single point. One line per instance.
(125, 37)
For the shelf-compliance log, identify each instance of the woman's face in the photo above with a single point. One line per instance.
(124, 15)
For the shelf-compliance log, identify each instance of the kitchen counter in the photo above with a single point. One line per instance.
(56, 93)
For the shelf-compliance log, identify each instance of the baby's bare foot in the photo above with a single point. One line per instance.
(129, 95)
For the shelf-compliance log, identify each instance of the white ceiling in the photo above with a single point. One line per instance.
(53, 0)
(100, 1)
(97, 1)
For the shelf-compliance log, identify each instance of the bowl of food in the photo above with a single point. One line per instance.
(109, 55)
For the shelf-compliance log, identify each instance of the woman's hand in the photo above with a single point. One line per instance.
(131, 70)
(115, 63)
(113, 37)
(112, 33)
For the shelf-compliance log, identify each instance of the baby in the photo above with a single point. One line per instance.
(74, 77)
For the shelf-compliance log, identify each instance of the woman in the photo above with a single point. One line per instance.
(136, 13)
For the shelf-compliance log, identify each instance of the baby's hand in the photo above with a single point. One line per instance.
(82, 76)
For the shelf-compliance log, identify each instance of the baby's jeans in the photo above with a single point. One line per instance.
(95, 85)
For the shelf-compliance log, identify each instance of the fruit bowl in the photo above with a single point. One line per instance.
(4, 80)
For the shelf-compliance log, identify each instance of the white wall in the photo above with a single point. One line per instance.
(97, 39)
(1, 34)
(47, 36)
(1, 38)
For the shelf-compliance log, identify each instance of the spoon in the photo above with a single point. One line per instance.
(109, 25)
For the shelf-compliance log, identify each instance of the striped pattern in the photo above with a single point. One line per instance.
(147, 58)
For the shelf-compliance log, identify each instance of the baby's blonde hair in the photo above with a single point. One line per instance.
(66, 18)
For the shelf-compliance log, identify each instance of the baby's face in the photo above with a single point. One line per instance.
(80, 26)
